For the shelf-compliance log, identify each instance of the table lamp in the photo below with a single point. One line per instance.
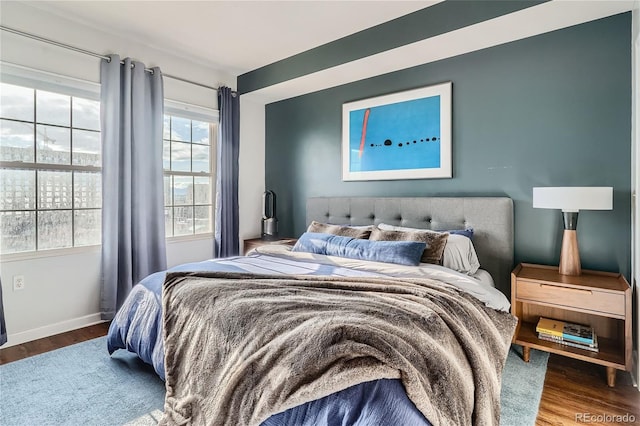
(572, 199)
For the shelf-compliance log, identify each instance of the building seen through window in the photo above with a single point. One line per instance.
(188, 180)
(51, 176)
(50, 170)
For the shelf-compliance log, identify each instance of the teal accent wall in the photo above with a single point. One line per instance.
(431, 21)
(550, 110)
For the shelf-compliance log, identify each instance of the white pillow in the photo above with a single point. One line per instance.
(459, 253)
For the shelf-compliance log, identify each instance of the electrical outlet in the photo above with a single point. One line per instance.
(18, 282)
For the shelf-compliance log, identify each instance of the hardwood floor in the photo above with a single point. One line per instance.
(571, 387)
(39, 346)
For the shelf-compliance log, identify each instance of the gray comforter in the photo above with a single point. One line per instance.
(240, 347)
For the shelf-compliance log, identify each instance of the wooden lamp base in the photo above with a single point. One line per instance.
(569, 256)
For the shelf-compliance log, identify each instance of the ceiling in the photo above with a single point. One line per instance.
(233, 36)
(239, 36)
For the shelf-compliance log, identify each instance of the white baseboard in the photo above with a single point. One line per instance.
(52, 329)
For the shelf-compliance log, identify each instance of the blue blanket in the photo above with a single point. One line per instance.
(137, 328)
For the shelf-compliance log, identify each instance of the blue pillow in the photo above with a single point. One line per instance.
(466, 232)
(400, 252)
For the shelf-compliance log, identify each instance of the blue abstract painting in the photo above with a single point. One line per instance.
(404, 135)
(385, 139)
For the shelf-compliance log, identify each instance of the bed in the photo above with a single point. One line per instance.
(237, 340)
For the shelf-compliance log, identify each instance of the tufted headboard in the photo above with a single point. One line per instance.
(490, 217)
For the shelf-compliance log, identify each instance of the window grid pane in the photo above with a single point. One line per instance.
(55, 229)
(202, 219)
(53, 108)
(168, 221)
(53, 144)
(86, 148)
(18, 231)
(17, 102)
(87, 190)
(168, 200)
(166, 154)
(17, 189)
(44, 209)
(55, 190)
(200, 158)
(16, 141)
(183, 220)
(87, 227)
(180, 156)
(180, 129)
(200, 132)
(202, 190)
(85, 114)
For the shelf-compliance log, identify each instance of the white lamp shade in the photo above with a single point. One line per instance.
(573, 198)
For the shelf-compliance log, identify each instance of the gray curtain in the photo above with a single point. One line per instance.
(227, 222)
(133, 238)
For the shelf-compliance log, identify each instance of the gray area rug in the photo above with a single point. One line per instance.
(82, 385)
(522, 385)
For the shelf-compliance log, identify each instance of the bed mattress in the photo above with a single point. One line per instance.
(138, 327)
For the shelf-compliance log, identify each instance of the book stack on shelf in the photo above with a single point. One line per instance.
(569, 334)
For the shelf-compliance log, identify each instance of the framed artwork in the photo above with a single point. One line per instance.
(405, 135)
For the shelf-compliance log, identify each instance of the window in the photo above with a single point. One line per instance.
(50, 170)
(188, 186)
(51, 163)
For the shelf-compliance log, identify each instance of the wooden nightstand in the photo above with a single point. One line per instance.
(599, 299)
(252, 243)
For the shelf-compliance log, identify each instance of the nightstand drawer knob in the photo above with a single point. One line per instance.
(575, 290)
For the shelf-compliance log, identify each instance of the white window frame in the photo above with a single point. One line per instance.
(50, 82)
(199, 113)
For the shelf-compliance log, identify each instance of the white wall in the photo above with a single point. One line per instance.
(252, 156)
(62, 291)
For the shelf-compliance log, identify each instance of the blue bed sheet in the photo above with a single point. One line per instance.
(137, 327)
(379, 402)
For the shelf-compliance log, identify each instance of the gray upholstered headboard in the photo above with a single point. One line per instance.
(490, 217)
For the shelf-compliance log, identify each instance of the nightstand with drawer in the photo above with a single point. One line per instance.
(252, 243)
(601, 300)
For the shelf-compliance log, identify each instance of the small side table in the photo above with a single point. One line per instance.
(601, 300)
(252, 243)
